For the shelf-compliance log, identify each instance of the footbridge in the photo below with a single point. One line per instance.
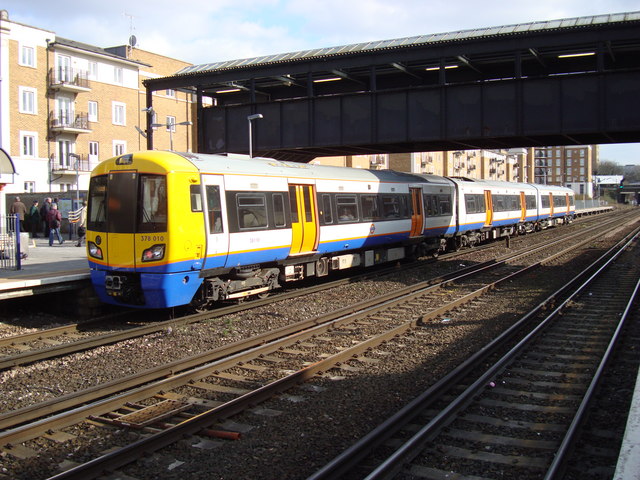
(562, 82)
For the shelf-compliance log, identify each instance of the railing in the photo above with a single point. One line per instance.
(68, 76)
(68, 164)
(11, 254)
(594, 203)
(64, 119)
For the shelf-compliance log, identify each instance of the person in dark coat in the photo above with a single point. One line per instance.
(44, 212)
(55, 220)
(34, 219)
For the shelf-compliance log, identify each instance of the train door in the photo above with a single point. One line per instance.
(488, 201)
(215, 208)
(304, 219)
(523, 207)
(568, 203)
(551, 205)
(417, 213)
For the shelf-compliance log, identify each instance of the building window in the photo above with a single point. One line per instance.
(28, 142)
(93, 70)
(171, 93)
(93, 111)
(27, 56)
(28, 102)
(93, 149)
(118, 75)
(119, 113)
(29, 187)
(119, 147)
(171, 123)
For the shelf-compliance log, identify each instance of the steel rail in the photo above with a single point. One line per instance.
(16, 417)
(127, 454)
(414, 445)
(352, 456)
(109, 338)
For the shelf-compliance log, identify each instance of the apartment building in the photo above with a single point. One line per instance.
(570, 166)
(479, 164)
(65, 105)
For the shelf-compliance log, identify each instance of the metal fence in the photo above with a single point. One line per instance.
(586, 204)
(12, 251)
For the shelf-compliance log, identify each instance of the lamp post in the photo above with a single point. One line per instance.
(255, 116)
(170, 127)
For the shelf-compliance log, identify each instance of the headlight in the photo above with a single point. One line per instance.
(95, 251)
(153, 254)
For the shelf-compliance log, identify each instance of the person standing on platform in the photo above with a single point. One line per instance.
(44, 212)
(82, 224)
(19, 208)
(34, 219)
(55, 220)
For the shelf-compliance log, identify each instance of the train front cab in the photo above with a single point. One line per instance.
(134, 258)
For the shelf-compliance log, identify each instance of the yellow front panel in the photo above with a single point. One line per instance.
(120, 251)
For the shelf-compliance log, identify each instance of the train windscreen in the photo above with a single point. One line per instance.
(125, 202)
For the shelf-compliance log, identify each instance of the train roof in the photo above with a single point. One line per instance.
(243, 164)
(498, 183)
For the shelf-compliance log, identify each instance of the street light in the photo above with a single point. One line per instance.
(255, 116)
(170, 127)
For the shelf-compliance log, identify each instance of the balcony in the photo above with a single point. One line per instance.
(71, 164)
(68, 80)
(69, 122)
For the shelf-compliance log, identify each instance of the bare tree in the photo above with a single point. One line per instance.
(607, 167)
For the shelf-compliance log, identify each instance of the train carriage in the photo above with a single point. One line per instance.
(168, 229)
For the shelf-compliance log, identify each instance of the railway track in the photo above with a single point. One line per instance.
(518, 417)
(64, 340)
(190, 399)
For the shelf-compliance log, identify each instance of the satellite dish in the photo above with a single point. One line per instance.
(133, 41)
(140, 131)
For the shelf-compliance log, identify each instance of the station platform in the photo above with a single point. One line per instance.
(44, 267)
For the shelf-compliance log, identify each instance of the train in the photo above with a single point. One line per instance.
(168, 229)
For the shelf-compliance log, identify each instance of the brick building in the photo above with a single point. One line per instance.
(65, 105)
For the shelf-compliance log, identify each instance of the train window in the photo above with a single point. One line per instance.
(444, 205)
(544, 201)
(96, 209)
(153, 204)
(293, 204)
(559, 201)
(514, 202)
(214, 209)
(530, 201)
(390, 206)
(429, 204)
(369, 207)
(278, 210)
(498, 203)
(327, 214)
(405, 201)
(474, 203)
(308, 214)
(347, 208)
(252, 211)
(196, 198)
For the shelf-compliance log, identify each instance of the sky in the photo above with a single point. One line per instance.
(206, 31)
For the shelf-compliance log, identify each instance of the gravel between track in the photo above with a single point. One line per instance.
(315, 422)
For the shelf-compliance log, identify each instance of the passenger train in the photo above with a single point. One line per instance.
(167, 229)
